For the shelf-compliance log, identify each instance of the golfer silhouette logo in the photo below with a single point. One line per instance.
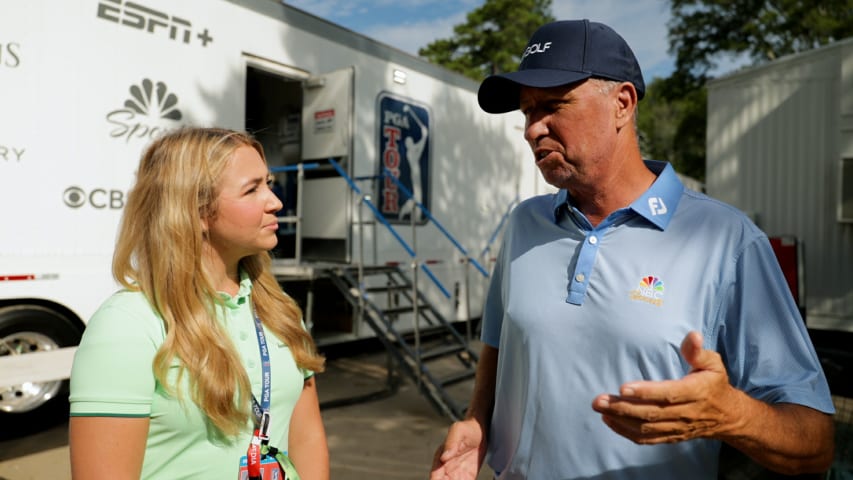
(414, 152)
(403, 141)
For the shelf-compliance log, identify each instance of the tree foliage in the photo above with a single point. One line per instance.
(701, 31)
(673, 130)
(673, 116)
(492, 39)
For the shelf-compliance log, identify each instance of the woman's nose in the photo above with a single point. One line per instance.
(274, 204)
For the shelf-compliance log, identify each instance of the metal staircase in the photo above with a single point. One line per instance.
(424, 344)
(388, 298)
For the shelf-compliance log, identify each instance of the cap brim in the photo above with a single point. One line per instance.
(500, 93)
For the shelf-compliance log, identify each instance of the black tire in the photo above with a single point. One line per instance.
(25, 329)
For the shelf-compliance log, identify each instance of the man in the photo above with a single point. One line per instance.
(631, 325)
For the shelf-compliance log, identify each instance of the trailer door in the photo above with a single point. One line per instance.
(327, 133)
(326, 115)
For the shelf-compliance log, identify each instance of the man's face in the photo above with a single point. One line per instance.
(572, 131)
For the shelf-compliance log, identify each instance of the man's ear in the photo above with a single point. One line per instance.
(626, 104)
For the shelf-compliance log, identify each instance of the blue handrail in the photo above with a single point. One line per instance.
(499, 227)
(391, 229)
(293, 168)
(447, 234)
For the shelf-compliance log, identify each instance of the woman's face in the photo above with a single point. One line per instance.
(244, 222)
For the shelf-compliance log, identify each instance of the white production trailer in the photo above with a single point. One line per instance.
(351, 126)
(780, 148)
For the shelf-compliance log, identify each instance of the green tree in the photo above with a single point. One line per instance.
(702, 31)
(673, 115)
(492, 39)
(673, 130)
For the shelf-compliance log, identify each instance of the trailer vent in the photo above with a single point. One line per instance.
(845, 192)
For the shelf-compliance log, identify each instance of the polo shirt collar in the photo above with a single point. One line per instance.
(657, 204)
(242, 294)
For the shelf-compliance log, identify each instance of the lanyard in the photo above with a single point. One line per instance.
(261, 410)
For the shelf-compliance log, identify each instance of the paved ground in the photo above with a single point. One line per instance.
(391, 438)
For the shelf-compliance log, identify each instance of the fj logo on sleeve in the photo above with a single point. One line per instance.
(657, 206)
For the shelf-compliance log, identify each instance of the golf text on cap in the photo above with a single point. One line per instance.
(536, 48)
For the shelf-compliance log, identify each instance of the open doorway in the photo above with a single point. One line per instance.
(273, 116)
(301, 118)
(275, 109)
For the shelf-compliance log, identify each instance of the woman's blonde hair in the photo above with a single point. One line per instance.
(159, 252)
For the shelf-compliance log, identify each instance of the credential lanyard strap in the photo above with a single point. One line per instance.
(262, 409)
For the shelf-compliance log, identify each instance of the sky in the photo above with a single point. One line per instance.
(411, 24)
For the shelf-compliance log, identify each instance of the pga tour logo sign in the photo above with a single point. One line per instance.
(404, 151)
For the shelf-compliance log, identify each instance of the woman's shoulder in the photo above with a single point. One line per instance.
(126, 310)
(129, 300)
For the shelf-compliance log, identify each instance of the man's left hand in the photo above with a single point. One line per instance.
(702, 404)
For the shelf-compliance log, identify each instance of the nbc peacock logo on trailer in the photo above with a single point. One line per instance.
(149, 109)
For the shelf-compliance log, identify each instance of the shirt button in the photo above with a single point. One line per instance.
(580, 277)
(251, 364)
(593, 240)
(244, 336)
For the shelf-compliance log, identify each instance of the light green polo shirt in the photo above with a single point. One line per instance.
(112, 377)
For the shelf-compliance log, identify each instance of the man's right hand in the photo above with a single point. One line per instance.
(462, 453)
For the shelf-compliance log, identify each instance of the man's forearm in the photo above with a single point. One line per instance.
(786, 438)
(483, 398)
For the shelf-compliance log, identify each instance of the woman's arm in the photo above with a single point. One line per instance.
(307, 440)
(107, 447)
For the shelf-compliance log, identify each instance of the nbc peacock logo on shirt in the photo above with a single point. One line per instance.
(650, 290)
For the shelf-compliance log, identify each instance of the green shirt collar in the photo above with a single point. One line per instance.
(242, 294)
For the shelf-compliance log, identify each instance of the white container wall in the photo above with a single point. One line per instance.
(777, 136)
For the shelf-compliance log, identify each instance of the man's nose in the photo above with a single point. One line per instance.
(534, 127)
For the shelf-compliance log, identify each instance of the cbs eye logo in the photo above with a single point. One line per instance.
(98, 198)
(74, 197)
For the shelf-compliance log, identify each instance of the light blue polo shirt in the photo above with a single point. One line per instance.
(577, 311)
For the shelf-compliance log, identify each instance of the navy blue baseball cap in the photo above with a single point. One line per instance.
(562, 53)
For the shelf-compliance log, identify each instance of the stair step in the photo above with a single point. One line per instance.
(388, 288)
(375, 270)
(403, 309)
(441, 351)
(458, 377)
(438, 339)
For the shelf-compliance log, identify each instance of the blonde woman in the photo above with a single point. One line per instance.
(201, 363)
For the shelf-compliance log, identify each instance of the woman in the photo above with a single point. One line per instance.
(170, 380)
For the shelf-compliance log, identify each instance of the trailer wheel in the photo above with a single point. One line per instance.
(27, 329)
